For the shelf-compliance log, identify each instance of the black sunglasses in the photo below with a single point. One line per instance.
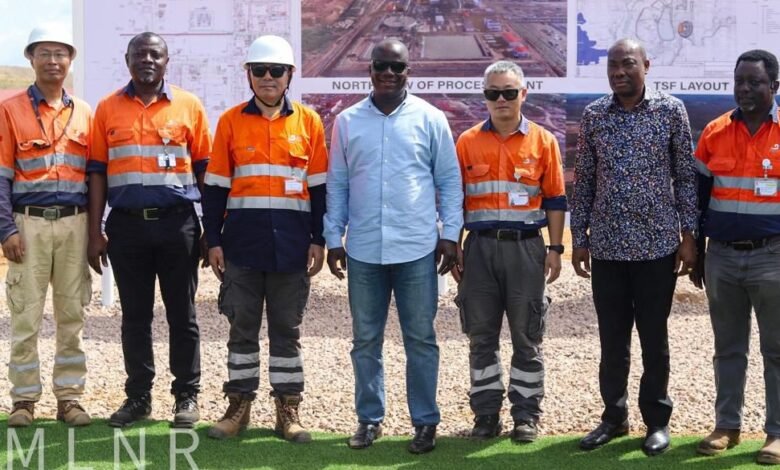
(509, 94)
(259, 70)
(396, 67)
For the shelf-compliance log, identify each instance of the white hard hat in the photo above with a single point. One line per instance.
(270, 49)
(50, 33)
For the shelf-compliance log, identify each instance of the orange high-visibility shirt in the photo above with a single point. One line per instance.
(527, 164)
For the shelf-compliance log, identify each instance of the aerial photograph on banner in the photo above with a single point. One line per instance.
(456, 38)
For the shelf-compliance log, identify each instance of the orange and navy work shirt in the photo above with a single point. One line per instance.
(730, 161)
(264, 196)
(43, 150)
(150, 154)
(527, 163)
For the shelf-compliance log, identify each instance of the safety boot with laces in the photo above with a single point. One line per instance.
(133, 409)
(288, 423)
(72, 413)
(22, 414)
(236, 417)
(185, 410)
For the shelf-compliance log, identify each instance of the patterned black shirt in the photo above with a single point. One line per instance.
(635, 179)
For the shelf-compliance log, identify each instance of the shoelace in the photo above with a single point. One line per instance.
(24, 405)
(70, 405)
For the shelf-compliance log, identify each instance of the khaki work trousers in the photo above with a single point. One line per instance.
(55, 252)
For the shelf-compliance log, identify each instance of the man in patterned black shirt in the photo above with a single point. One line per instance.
(633, 213)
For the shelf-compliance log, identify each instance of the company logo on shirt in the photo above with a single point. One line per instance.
(292, 138)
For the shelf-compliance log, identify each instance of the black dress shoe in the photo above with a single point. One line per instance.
(365, 435)
(656, 440)
(424, 439)
(604, 433)
(486, 426)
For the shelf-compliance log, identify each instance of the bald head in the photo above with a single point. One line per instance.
(390, 47)
(629, 45)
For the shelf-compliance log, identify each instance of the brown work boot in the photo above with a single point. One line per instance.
(770, 453)
(72, 413)
(718, 441)
(22, 414)
(236, 417)
(288, 424)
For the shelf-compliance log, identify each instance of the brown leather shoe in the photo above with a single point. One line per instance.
(72, 413)
(718, 441)
(22, 414)
(770, 453)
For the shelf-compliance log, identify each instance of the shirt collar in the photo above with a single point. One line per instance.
(252, 108)
(737, 113)
(371, 105)
(648, 96)
(523, 127)
(166, 91)
(35, 93)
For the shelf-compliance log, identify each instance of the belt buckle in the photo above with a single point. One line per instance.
(743, 245)
(51, 213)
(150, 213)
(511, 234)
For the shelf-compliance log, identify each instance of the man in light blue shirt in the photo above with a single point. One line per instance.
(391, 154)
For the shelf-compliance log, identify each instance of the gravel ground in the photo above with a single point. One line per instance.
(572, 404)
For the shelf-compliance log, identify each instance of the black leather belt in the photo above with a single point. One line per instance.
(155, 213)
(745, 245)
(508, 234)
(50, 213)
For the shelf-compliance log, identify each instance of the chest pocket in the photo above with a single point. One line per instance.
(477, 172)
(527, 167)
(299, 153)
(722, 165)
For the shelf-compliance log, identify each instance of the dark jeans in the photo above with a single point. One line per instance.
(141, 251)
(625, 292)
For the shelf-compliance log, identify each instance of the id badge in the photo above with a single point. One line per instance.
(293, 186)
(166, 161)
(765, 187)
(518, 198)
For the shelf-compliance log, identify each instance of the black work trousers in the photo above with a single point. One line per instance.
(142, 251)
(625, 292)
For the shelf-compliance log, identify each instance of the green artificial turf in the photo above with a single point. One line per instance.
(95, 446)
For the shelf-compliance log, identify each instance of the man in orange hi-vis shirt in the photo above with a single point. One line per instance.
(513, 184)
(44, 144)
(262, 211)
(151, 146)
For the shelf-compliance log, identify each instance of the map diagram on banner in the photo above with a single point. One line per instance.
(683, 38)
(207, 41)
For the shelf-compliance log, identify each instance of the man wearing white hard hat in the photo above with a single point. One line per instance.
(44, 145)
(263, 204)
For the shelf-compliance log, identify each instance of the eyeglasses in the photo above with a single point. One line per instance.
(508, 94)
(47, 56)
(259, 70)
(396, 67)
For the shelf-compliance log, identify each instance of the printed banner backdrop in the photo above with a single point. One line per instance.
(561, 45)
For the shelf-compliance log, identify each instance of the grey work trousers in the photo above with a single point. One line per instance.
(504, 276)
(241, 298)
(737, 280)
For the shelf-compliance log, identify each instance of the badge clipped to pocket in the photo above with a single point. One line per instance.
(765, 187)
(166, 161)
(293, 186)
(518, 198)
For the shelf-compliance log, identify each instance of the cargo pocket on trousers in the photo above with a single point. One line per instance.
(460, 302)
(303, 294)
(223, 306)
(14, 292)
(86, 288)
(537, 318)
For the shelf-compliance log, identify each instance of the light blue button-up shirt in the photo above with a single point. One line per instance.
(383, 178)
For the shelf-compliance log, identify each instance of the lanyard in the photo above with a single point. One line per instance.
(37, 112)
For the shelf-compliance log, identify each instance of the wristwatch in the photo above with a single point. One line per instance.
(556, 248)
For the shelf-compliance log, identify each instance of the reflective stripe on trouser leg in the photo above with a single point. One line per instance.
(71, 292)
(286, 297)
(26, 285)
